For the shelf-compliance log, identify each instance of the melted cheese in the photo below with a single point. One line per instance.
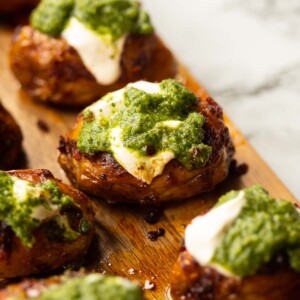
(112, 102)
(144, 168)
(23, 189)
(99, 55)
(206, 232)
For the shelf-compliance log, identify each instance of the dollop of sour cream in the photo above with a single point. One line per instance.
(206, 232)
(99, 54)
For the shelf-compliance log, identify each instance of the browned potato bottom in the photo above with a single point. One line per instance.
(276, 281)
(102, 176)
(17, 260)
(10, 140)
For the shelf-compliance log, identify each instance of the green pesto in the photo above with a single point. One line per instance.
(17, 213)
(51, 16)
(94, 287)
(264, 227)
(112, 18)
(141, 119)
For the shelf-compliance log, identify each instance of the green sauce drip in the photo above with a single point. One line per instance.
(94, 287)
(112, 18)
(264, 227)
(18, 214)
(141, 119)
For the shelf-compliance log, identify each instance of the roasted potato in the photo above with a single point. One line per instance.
(10, 140)
(101, 175)
(49, 251)
(85, 286)
(13, 6)
(275, 281)
(50, 70)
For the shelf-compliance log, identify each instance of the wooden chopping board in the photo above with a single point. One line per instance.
(121, 245)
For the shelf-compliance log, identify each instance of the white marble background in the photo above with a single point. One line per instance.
(247, 54)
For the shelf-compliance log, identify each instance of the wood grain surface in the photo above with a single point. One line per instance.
(121, 242)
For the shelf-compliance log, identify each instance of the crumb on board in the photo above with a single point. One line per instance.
(149, 285)
(131, 271)
(42, 125)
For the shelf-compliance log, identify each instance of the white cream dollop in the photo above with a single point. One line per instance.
(206, 232)
(100, 55)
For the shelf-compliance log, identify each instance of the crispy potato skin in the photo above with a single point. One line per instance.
(101, 175)
(12, 6)
(32, 288)
(50, 70)
(10, 140)
(28, 288)
(17, 260)
(190, 281)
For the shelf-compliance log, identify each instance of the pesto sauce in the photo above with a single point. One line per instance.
(51, 16)
(112, 18)
(264, 227)
(16, 210)
(94, 287)
(143, 118)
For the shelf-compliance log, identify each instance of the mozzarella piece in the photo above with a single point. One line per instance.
(206, 232)
(144, 168)
(112, 102)
(100, 56)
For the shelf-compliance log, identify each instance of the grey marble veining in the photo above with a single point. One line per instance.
(247, 53)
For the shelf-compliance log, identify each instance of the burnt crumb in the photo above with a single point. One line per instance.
(238, 169)
(103, 177)
(62, 145)
(154, 235)
(297, 205)
(150, 150)
(152, 215)
(42, 125)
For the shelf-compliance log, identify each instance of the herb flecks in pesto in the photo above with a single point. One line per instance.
(158, 121)
(264, 227)
(112, 18)
(94, 287)
(51, 16)
(24, 205)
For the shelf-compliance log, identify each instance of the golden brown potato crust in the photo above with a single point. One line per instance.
(31, 288)
(101, 175)
(50, 70)
(10, 140)
(11, 6)
(190, 281)
(17, 260)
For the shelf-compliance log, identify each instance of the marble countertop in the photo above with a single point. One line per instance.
(247, 54)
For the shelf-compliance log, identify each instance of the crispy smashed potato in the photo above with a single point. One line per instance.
(46, 253)
(102, 176)
(50, 70)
